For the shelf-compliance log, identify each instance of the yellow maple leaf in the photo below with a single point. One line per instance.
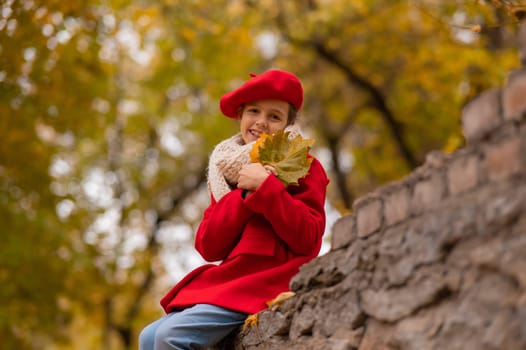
(287, 155)
(251, 321)
(275, 303)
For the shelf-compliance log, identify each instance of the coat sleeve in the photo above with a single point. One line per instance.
(298, 217)
(222, 224)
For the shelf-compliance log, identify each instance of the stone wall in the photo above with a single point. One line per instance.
(434, 261)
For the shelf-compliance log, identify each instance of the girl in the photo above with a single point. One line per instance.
(261, 231)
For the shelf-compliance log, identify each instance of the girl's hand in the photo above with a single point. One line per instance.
(271, 170)
(252, 175)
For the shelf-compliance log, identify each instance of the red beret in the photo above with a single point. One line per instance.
(270, 85)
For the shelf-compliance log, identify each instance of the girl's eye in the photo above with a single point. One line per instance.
(253, 110)
(276, 117)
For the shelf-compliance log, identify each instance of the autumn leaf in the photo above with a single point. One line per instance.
(287, 155)
(254, 152)
(251, 321)
(275, 303)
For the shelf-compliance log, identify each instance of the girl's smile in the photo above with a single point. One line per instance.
(263, 116)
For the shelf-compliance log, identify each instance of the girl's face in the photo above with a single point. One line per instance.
(263, 116)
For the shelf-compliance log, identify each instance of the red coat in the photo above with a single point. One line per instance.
(262, 241)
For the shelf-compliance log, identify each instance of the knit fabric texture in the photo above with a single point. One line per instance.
(226, 160)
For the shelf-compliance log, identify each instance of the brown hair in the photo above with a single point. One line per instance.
(291, 116)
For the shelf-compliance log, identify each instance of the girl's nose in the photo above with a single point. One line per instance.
(261, 122)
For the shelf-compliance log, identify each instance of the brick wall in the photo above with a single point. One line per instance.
(434, 261)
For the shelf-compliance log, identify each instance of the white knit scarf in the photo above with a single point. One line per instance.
(226, 160)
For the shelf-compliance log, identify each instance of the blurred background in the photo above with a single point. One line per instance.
(109, 110)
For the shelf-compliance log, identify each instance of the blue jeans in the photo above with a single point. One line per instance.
(194, 328)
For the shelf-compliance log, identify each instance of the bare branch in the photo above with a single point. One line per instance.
(377, 100)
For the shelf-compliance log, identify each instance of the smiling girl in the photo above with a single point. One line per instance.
(258, 230)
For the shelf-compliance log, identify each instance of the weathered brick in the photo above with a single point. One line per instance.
(368, 216)
(427, 193)
(396, 205)
(302, 322)
(375, 337)
(352, 336)
(482, 115)
(463, 174)
(503, 159)
(272, 323)
(514, 96)
(371, 344)
(343, 232)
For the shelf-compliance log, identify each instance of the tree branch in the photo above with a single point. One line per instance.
(377, 99)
